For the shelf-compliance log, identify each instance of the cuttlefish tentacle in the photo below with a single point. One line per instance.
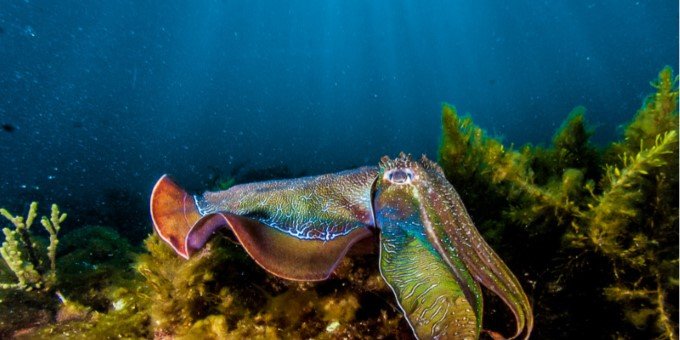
(298, 229)
(461, 239)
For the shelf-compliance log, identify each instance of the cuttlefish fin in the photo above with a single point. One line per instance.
(275, 251)
(174, 213)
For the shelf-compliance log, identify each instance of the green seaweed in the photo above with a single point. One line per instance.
(91, 259)
(606, 217)
(98, 294)
(220, 293)
(21, 252)
(126, 317)
(634, 219)
(184, 292)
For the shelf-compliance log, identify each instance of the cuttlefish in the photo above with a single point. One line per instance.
(431, 255)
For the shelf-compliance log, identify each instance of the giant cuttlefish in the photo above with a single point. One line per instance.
(431, 255)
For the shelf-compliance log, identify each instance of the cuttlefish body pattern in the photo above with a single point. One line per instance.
(431, 255)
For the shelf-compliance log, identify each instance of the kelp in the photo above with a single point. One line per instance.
(581, 207)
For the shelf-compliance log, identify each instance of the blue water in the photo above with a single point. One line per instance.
(98, 99)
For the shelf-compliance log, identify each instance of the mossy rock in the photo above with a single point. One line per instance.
(91, 258)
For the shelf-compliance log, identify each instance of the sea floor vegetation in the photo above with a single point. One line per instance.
(591, 232)
(597, 227)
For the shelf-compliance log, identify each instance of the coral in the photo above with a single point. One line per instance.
(19, 250)
(605, 221)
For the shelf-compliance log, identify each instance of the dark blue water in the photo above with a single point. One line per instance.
(101, 98)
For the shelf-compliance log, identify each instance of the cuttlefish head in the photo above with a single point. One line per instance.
(396, 189)
(433, 257)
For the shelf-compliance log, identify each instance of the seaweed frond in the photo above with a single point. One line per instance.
(19, 250)
(604, 221)
(471, 159)
(658, 114)
(617, 206)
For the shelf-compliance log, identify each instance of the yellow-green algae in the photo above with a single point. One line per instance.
(21, 252)
(606, 220)
(221, 293)
(96, 293)
(28, 270)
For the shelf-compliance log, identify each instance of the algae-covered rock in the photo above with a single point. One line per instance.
(126, 317)
(98, 293)
(90, 259)
(24, 312)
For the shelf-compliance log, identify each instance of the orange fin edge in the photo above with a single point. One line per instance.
(174, 213)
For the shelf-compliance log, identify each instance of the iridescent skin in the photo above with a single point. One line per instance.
(417, 208)
(431, 255)
(437, 293)
(308, 208)
(298, 229)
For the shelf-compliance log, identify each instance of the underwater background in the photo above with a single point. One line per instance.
(99, 99)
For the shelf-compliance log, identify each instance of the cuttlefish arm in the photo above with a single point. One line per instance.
(297, 229)
(432, 256)
(459, 237)
(438, 295)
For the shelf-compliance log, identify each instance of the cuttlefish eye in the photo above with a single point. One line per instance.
(399, 176)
